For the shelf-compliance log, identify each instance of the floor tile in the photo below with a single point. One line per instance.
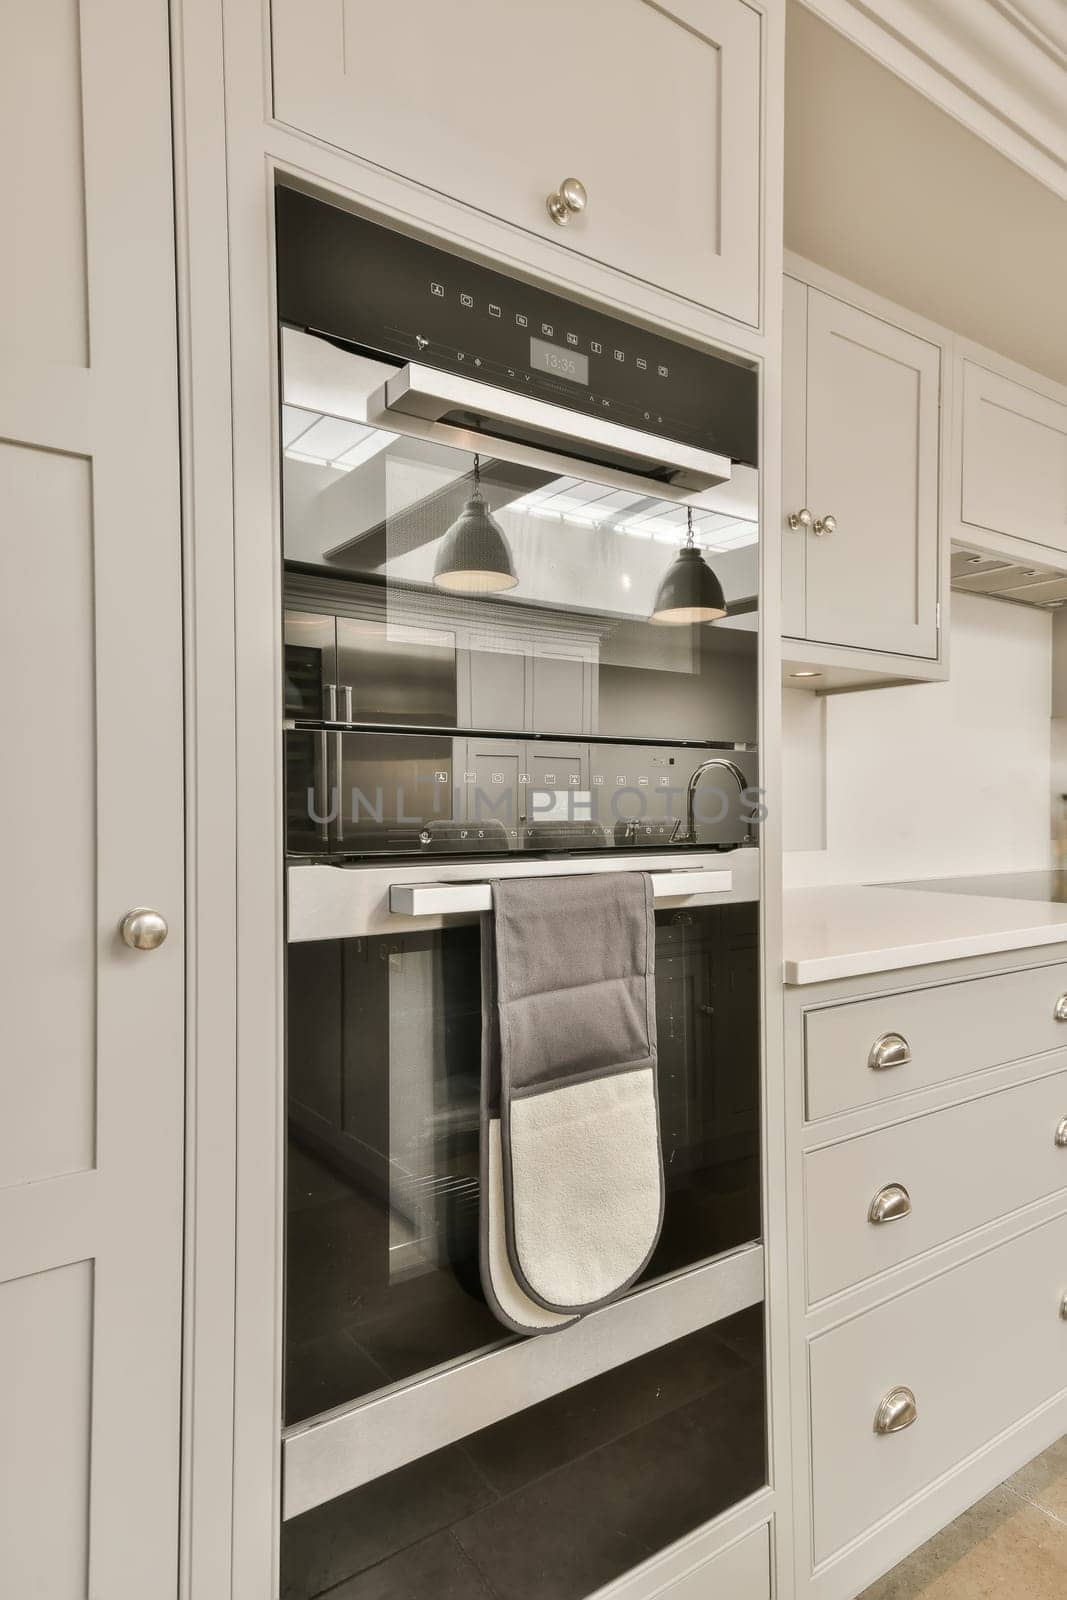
(358, 1530)
(1044, 1481)
(561, 1537)
(437, 1569)
(526, 1446)
(326, 1372)
(1001, 1549)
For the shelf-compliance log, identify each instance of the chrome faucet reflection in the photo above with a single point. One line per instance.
(685, 831)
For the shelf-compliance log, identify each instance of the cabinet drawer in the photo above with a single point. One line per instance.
(523, 95)
(741, 1572)
(960, 1168)
(1014, 458)
(979, 1347)
(947, 1032)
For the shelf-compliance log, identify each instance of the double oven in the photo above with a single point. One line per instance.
(484, 488)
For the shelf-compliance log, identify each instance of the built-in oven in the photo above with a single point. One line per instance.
(520, 625)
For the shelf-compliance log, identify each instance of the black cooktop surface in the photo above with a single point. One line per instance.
(1042, 885)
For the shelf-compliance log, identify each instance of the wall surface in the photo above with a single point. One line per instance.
(887, 189)
(933, 779)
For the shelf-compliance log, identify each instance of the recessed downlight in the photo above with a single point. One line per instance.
(805, 674)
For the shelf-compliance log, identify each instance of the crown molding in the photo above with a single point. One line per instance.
(997, 66)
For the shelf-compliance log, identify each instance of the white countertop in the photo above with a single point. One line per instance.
(850, 929)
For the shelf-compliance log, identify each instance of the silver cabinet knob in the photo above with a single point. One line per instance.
(1059, 1010)
(1061, 1134)
(569, 199)
(824, 525)
(896, 1411)
(800, 519)
(891, 1050)
(890, 1204)
(143, 929)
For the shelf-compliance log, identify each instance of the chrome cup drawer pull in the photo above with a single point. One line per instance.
(890, 1204)
(891, 1050)
(1060, 1135)
(896, 1412)
(1059, 1010)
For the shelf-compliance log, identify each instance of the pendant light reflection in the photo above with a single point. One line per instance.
(474, 557)
(689, 591)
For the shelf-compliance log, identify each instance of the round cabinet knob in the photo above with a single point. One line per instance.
(144, 929)
(1059, 1010)
(896, 1412)
(891, 1050)
(568, 201)
(1061, 1134)
(889, 1204)
(824, 525)
(799, 520)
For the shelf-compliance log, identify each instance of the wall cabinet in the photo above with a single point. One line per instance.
(1014, 457)
(654, 107)
(861, 557)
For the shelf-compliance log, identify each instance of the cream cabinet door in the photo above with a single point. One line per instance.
(654, 107)
(92, 1097)
(1014, 458)
(870, 421)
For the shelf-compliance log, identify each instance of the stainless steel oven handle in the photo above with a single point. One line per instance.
(322, 776)
(419, 391)
(339, 821)
(450, 899)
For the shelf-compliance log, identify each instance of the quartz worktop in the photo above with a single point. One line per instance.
(846, 930)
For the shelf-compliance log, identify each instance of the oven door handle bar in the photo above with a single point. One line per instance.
(432, 395)
(449, 899)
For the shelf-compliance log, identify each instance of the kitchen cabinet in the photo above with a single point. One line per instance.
(654, 108)
(861, 450)
(928, 1175)
(1013, 471)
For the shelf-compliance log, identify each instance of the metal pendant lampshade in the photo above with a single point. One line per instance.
(474, 557)
(689, 591)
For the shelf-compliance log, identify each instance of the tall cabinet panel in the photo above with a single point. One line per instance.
(90, 658)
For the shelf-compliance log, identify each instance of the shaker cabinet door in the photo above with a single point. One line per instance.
(655, 108)
(1014, 458)
(871, 421)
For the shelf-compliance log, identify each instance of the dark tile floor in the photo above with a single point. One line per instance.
(559, 1499)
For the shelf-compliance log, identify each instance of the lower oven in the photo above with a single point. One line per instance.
(423, 1443)
(520, 629)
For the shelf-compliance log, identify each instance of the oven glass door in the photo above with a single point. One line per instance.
(555, 705)
(383, 1294)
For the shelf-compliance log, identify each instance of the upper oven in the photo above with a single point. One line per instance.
(520, 543)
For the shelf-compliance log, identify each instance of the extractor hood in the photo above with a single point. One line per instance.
(1023, 583)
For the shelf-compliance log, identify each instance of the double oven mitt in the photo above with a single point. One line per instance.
(572, 1172)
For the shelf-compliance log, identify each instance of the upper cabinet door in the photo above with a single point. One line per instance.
(872, 465)
(1014, 458)
(655, 108)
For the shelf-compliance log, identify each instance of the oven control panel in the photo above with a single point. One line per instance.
(389, 294)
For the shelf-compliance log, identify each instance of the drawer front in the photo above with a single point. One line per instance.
(980, 1347)
(948, 1032)
(959, 1169)
(673, 185)
(741, 1572)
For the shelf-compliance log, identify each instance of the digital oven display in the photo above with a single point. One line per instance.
(560, 362)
